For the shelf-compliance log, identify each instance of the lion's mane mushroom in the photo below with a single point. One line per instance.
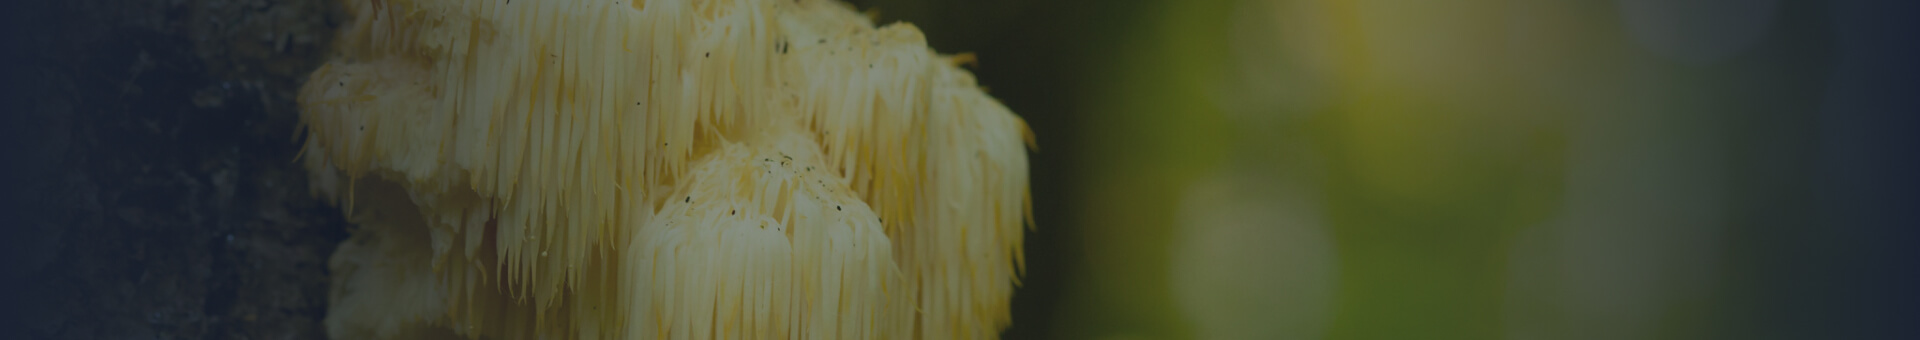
(661, 169)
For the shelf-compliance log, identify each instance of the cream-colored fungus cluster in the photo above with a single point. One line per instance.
(674, 169)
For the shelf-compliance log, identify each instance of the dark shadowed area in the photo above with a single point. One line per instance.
(148, 191)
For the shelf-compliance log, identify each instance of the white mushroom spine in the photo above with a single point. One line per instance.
(539, 145)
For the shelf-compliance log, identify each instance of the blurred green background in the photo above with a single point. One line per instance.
(1474, 169)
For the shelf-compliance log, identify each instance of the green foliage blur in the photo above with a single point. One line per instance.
(1348, 169)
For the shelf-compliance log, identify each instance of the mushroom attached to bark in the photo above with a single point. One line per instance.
(661, 169)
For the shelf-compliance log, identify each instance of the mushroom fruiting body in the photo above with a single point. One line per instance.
(661, 169)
